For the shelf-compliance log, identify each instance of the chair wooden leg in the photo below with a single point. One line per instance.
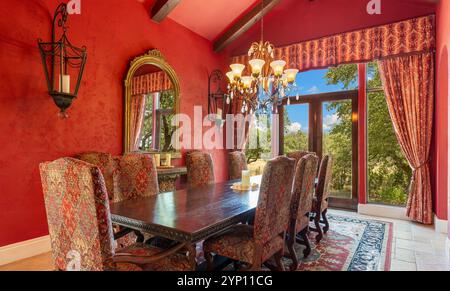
(279, 260)
(305, 241)
(209, 261)
(325, 220)
(318, 228)
(292, 253)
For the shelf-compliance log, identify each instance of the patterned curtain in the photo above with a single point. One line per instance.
(409, 87)
(150, 83)
(136, 120)
(401, 38)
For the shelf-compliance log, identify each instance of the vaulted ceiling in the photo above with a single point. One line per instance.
(233, 23)
(209, 18)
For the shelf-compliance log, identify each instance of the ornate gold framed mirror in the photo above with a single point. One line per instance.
(152, 102)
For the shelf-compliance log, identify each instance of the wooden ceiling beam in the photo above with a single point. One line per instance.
(244, 24)
(162, 8)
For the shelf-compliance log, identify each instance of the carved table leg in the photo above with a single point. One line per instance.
(192, 256)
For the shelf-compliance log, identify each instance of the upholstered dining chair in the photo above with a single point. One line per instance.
(320, 202)
(130, 177)
(200, 169)
(301, 204)
(80, 226)
(298, 155)
(254, 245)
(237, 162)
(107, 165)
(137, 177)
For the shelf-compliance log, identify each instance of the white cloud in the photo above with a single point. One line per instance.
(330, 121)
(294, 127)
(314, 90)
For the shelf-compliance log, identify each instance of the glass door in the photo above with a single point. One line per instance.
(326, 124)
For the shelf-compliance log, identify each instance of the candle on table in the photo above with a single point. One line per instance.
(246, 178)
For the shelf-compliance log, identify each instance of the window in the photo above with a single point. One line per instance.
(157, 131)
(296, 128)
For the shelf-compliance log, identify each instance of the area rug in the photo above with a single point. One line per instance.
(352, 244)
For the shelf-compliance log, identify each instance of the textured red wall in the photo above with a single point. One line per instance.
(114, 31)
(442, 95)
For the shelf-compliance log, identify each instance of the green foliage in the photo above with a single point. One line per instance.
(388, 170)
(294, 141)
(167, 102)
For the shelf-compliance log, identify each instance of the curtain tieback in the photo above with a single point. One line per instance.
(422, 165)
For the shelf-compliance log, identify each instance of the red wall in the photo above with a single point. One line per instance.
(442, 95)
(114, 31)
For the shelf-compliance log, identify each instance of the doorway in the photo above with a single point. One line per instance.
(332, 129)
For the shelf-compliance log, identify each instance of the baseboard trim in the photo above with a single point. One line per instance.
(441, 226)
(24, 250)
(383, 211)
(447, 248)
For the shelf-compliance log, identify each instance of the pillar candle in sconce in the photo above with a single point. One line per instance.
(64, 84)
(219, 113)
(246, 178)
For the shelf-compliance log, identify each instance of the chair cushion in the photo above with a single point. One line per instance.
(238, 244)
(175, 262)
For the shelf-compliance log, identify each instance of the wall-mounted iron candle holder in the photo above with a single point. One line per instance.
(63, 63)
(218, 107)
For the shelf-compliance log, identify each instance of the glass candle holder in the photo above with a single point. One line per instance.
(246, 178)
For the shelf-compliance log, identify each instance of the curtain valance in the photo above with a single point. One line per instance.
(150, 83)
(401, 38)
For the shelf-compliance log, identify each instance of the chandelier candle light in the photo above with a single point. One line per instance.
(269, 83)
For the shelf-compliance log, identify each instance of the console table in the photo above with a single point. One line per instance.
(167, 178)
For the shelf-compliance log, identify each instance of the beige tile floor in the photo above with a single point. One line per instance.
(415, 248)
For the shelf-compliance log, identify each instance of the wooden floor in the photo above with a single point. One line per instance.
(415, 248)
(39, 263)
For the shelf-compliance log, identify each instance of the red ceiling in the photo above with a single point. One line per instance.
(209, 18)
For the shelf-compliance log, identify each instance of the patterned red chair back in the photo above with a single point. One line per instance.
(323, 186)
(78, 215)
(200, 169)
(303, 191)
(272, 212)
(106, 164)
(298, 155)
(137, 177)
(237, 162)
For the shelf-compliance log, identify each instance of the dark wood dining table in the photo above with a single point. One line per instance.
(188, 216)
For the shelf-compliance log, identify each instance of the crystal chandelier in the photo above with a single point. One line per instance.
(268, 84)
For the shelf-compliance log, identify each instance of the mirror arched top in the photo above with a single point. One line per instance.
(150, 63)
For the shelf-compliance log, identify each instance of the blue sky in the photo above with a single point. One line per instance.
(311, 82)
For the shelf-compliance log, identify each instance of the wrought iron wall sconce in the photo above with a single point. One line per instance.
(217, 99)
(63, 63)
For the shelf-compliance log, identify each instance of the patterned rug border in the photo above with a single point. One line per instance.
(386, 253)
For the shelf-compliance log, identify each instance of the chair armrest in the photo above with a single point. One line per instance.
(144, 260)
